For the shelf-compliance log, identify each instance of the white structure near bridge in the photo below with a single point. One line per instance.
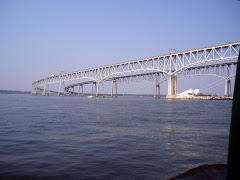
(189, 92)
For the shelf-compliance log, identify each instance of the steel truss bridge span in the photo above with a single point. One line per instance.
(223, 70)
(170, 64)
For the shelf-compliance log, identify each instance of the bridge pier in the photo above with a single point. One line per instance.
(61, 89)
(157, 91)
(68, 91)
(172, 86)
(114, 87)
(73, 90)
(79, 90)
(94, 84)
(227, 87)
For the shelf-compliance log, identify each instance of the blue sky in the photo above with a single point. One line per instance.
(40, 38)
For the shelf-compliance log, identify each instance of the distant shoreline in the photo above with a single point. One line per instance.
(14, 92)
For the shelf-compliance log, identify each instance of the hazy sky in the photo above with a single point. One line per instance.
(40, 38)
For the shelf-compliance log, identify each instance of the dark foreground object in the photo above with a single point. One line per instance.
(204, 172)
(234, 137)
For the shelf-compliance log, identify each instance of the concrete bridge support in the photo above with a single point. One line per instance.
(72, 91)
(227, 87)
(172, 85)
(94, 88)
(80, 87)
(61, 89)
(157, 91)
(114, 87)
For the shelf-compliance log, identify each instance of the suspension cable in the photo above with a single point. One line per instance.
(210, 84)
(213, 86)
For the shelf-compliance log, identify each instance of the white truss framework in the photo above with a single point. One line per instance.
(224, 70)
(155, 78)
(172, 63)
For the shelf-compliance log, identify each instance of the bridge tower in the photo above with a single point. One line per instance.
(114, 87)
(227, 83)
(172, 82)
(172, 85)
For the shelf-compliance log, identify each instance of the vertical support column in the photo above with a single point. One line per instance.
(44, 90)
(227, 83)
(82, 91)
(62, 89)
(69, 91)
(48, 90)
(73, 90)
(227, 87)
(155, 95)
(175, 85)
(157, 91)
(96, 90)
(114, 87)
(59, 89)
(95, 93)
(92, 90)
(172, 85)
(78, 89)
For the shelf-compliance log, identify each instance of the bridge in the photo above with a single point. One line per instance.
(218, 60)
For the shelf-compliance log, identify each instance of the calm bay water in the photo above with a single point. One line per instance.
(109, 138)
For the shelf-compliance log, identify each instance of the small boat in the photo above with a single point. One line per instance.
(90, 96)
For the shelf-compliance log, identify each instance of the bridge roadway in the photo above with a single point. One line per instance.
(171, 65)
